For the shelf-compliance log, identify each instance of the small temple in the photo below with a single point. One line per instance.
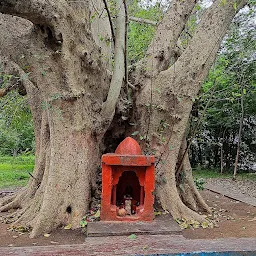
(127, 184)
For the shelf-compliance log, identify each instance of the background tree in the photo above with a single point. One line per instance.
(72, 100)
(16, 126)
(232, 77)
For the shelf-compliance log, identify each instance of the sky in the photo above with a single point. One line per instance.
(205, 3)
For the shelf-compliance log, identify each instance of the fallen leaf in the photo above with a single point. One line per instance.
(196, 224)
(97, 214)
(178, 221)
(190, 222)
(47, 235)
(15, 236)
(205, 224)
(53, 242)
(69, 226)
(254, 219)
(184, 225)
(83, 223)
(211, 225)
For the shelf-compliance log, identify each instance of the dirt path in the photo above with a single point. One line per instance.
(234, 219)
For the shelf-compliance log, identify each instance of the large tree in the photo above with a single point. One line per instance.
(77, 102)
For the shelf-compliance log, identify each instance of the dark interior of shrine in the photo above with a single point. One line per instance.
(129, 187)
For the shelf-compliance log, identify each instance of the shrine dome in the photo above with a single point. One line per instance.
(128, 146)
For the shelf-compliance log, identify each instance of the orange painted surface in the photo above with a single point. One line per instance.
(127, 182)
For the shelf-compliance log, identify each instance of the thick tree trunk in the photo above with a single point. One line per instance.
(165, 101)
(66, 98)
(239, 133)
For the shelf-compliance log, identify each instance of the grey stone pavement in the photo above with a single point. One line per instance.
(142, 245)
(231, 194)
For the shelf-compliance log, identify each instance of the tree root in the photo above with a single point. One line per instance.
(191, 195)
(172, 202)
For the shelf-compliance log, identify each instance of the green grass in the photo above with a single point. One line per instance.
(205, 174)
(14, 171)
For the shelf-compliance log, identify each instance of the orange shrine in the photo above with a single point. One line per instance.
(127, 184)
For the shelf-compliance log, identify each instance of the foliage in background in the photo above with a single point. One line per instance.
(200, 173)
(140, 35)
(234, 74)
(16, 125)
(199, 183)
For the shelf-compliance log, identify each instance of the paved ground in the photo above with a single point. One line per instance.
(142, 245)
(234, 194)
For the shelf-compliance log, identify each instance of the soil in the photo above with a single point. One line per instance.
(233, 219)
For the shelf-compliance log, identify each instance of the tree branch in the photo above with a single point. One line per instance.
(110, 21)
(162, 48)
(119, 69)
(145, 21)
(48, 13)
(37, 11)
(16, 86)
(18, 79)
(203, 47)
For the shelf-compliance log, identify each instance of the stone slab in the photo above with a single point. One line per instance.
(231, 194)
(160, 226)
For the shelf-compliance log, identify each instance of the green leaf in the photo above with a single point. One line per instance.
(223, 2)
(235, 6)
(198, 7)
(158, 90)
(132, 236)
(179, 221)
(83, 223)
(101, 38)
(135, 133)
(184, 225)
(43, 73)
(244, 91)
